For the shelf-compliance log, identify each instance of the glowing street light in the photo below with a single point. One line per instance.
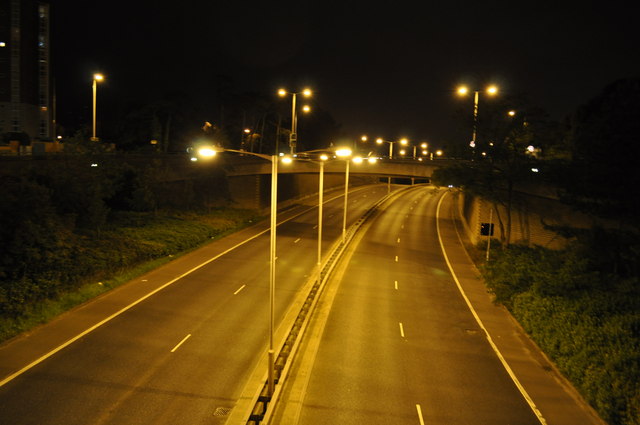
(293, 136)
(491, 90)
(96, 78)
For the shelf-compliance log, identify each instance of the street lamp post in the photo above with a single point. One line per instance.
(293, 136)
(96, 78)
(346, 154)
(210, 152)
(346, 195)
(323, 158)
(462, 91)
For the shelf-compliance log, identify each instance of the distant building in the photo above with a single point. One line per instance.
(26, 92)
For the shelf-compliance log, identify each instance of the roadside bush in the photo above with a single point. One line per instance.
(587, 322)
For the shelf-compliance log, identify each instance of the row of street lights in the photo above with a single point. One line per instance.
(322, 157)
(491, 90)
(402, 151)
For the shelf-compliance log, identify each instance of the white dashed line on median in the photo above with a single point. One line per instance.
(181, 342)
(419, 409)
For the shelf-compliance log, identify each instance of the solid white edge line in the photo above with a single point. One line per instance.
(515, 380)
(419, 409)
(181, 342)
(239, 289)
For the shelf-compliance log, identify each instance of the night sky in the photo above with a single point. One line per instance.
(387, 70)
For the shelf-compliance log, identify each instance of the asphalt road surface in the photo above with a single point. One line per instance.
(179, 356)
(394, 341)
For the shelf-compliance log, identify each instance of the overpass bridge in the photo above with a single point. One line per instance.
(394, 168)
(249, 177)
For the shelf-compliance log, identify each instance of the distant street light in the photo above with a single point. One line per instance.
(380, 141)
(462, 91)
(293, 136)
(96, 78)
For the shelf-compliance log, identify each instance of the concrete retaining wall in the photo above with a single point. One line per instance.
(528, 215)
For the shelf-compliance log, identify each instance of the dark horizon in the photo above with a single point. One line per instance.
(377, 71)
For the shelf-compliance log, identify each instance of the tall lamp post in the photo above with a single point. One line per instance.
(293, 136)
(96, 78)
(211, 152)
(462, 91)
(346, 154)
(323, 157)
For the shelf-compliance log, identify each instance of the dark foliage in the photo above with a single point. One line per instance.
(59, 216)
(586, 320)
(603, 177)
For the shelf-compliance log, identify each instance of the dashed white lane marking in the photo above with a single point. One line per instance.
(419, 409)
(239, 289)
(181, 342)
(401, 330)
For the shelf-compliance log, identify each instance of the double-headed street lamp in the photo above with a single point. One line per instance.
(380, 141)
(96, 78)
(293, 136)
(462, 91)
(322, 158)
